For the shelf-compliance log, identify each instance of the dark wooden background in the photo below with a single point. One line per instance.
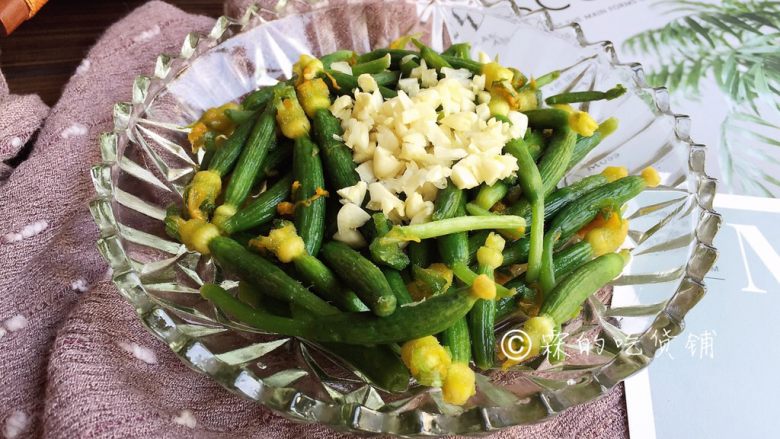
(43, 53)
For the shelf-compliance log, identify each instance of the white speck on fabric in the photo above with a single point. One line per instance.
(15, 323)
(26, 232)
(74, 130)
(16, 142)
(109, 274)
(147, 34)
(2, 332)
(144, 354)
(79, 285)
(83, 67)
(15, 424)
(185, 418)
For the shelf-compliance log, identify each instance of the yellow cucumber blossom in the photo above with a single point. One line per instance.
(606, 233)
(307, 68)
(613, 173)
(283, 242)
(499, 81)
(197, 135)
(459, 385)
(490, 254)
(495, 72)
(498, 105)
(443, 271)
(202, 194)
(427, 360)
(431, 365)
(651, 176)
(196, 234)
(580, 121)
(223, 213)
(483, 287)
(527, 100)
(518, 78)
(216, 119)
(403, 41)
(313, 95)
(583, 124)
(538, 331)
(608, 127)
(213, 119)
(289, 113)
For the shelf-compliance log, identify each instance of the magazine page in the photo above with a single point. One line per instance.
(720, 368)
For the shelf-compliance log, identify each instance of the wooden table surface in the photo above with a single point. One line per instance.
(43, 53)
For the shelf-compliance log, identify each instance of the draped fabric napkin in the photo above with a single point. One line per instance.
(74, 360)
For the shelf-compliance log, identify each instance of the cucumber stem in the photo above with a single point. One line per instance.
(434, 229)
(535, 252)
(545, 79)
(373, 66)
(467, 276)
(512, 234)
(547, 271)
(586, 96)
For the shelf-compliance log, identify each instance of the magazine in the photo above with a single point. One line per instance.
(720, 371)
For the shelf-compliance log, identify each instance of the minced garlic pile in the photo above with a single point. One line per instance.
(408, 146)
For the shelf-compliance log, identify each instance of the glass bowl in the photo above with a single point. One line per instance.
(146, 165)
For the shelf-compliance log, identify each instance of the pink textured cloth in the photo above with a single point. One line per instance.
(21, 117)
(75, 361)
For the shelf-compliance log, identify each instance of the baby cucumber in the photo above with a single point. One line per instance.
(548, 118)
(555, 160)
(336, 157)
(258, 98)
(225, 156)
(309, 200)
(265, 275)
(458, 340)
(325, 283)
(428, 317)
(260, 210)
(447, 202)
(362, 275)
(583, 147)
(397, 284)
(278, 158)
(390, 255)
(562, 302)
(454, 247)
(536, 143)
(516, 252)
(577, 214)
(261, 140)
(560, 198)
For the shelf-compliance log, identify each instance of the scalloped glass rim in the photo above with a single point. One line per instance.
(355, 412)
